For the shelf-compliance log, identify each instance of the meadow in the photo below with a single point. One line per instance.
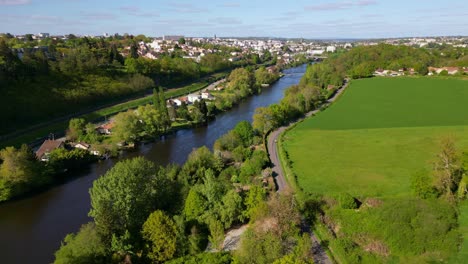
(370, 143)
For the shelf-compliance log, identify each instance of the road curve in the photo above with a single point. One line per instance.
(320, 256)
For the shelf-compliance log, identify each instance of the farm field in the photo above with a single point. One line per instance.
(377, 134)
(370, 143)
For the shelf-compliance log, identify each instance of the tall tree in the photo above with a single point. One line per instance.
(124, 197)
(160, 232)
(447, 168)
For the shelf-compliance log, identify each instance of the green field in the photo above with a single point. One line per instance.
(369, 144)
(377, 134)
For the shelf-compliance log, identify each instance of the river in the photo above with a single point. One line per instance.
(32, 229)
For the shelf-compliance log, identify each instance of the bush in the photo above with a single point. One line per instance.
(347, 201)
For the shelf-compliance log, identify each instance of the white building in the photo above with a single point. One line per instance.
(331, 49)
(192, 98)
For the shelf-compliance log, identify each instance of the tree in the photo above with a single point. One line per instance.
(232, 207)
(245, 131)
(241, 81)
(127, 126)
(123, 198)
(182, 41)
(447, 168)
(76, 128)
(195, 205)
(82, 248)
(151, 119)
(253, 201)
(216, 234)
(134, 50)
(19, 172)
(160, 232)
(259, 247)
(263, 120)
(421, 184)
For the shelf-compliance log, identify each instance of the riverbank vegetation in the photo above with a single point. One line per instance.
(147, 214)
(391, 192)
(147, 122)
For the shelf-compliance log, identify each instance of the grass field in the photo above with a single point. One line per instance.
(369, 144)
(377, 134)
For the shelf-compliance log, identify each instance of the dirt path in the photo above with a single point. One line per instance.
(320, 256)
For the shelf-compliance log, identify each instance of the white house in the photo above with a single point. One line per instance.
(331, 49)
(82, 145)
(177, 102)
(206, 95)
(192, 98)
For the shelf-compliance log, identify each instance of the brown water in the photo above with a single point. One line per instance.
(32, 229)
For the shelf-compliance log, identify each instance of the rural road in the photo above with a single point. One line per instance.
(320, 256)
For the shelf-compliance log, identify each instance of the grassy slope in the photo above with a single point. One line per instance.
(371, 142)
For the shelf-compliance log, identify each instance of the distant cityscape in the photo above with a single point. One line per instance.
(285, 49)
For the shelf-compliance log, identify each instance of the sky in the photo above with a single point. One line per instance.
(313, 19)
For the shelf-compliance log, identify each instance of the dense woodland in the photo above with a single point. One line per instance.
(65, 76)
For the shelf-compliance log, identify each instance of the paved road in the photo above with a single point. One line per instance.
(320, 256)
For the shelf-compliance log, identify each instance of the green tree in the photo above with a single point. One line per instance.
(254, 200)
(195, 205)
(124, 197)
(151, 119)
(216, 234)
(127, 127)
(134, 50)
(231, 209)
(19, 172)
(161, 233)
(245, 131)
(76, 128)
(241, 81)
(447, 168)
(421, 184)
(82, 248)
(263, 120)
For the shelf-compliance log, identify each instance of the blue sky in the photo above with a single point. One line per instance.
(293, 18)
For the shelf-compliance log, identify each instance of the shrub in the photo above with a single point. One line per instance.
(347, 201)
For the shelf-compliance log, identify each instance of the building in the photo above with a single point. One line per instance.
(192, 98)
(82, 145)
(331, 49)
(106, 129)
(48, 146)
(206, 95)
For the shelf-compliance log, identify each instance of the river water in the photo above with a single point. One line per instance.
(32, 229)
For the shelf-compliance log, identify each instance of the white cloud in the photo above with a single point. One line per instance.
(339, 5)
(14, 2)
